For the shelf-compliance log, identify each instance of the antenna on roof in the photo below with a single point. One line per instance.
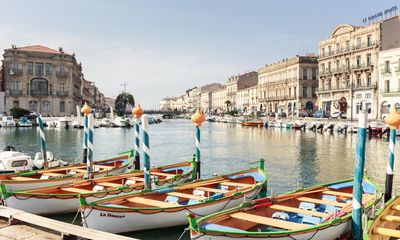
(61, 49)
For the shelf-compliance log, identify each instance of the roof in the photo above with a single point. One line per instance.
(37, 48)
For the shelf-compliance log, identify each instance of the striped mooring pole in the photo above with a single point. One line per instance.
(42, 141)
(89, 162)
(197, 119)
(137, 113)
(359, 174)
(146, 152)
(86, 110)
(393, 120)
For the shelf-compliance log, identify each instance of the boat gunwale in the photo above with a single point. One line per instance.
(23, 193)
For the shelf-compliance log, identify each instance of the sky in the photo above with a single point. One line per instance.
(161, 48)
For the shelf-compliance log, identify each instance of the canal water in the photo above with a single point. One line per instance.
(292, 157)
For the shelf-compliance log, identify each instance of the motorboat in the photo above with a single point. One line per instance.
(62, 123)
(12, 161)
(118, 122)
(24, 122)
(7, 121)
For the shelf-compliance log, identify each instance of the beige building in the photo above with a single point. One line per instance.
(288, 86)
(238, 83)
(192, 100)
(206, 96)
(42, 80)
(218, 103)
(348, 72)
(389, 81)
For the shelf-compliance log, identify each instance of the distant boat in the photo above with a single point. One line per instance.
(168, 206)
(24, 122)
(7, 121)
(320, 212)
(252, 123)
(62, 123)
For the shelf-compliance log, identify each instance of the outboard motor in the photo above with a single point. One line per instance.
(314, 127)
(266, 124)
(303, 127)
(330, 127)
(9, 148)
(320, 127)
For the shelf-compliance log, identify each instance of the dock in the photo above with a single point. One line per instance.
(16, 224)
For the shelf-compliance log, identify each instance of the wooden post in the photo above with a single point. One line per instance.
(359, 174)
(42, 141)
(137, 113)
(146, 152)
(197, 119)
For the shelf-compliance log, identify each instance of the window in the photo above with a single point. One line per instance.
(358, 80)
(369, 42)
(369, 80)
(39, 69)
(358, 61)
(369, 107)
(323, 52)
(358, 42)
(329, 66)
(62, 86)
(19, 163)
(329, 50)
(337, 65)
(39, 87)
(46, 106)
(295, 92)
(15, 104)
(387, 67)
(14, 85)
(347, 45)
(314, 73)
(48, 69)
(337, 48)
(33, 106)
(305, 92)
(313, 91)
(368, 95)
(29, 68)
(369, 59)
(347, 63)
(387, 86)
(359, 96)
(305, 74)
(337, 83)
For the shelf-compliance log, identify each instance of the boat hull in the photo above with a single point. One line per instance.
(65, 204)
(11, 185)
(129, 221)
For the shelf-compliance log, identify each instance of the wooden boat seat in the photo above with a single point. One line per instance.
(75, 190)
(53, 174)
(396, 207)
(152, 202)
(103, 166)
(214, 190)
(137, 179)
(188, 196)
(234, 184)
(108, 184)
(320, 201)
(390, 218)
(386, 232)
(339, 194)
(80, 170)
(22, 178)
(269, 221)
(162, 174)
(298, 210)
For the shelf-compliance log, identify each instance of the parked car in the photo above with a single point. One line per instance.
(321, 114)
(338, 115)
(271, 114)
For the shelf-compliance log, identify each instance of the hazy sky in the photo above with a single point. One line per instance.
(160, 48)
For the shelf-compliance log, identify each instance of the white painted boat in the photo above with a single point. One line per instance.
(62, 123)
(320, 212)
(7, 121)
(65, 198)
(168, 207)
(118, 122)
(62, 175)
(24, 122)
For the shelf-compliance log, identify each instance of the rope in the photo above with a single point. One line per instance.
(76, 215)
(183, 233)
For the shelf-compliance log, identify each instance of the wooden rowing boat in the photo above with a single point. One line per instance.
(168, 207)
(65, 198)
(252, 123)
(62, 175)
(386, 224)
(321, 212)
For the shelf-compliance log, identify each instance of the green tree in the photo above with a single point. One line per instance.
(19, 112)
(123, 100)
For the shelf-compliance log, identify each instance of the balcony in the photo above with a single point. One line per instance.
(39, 93)
(362, 66)
(62, 94)
(389, 92)
(345, 50)
(62, 74)
(365, 87)
(386, 71)
(15, 72)
(15, 93)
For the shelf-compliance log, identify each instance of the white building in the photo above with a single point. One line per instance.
(218, 103)
(389, 80)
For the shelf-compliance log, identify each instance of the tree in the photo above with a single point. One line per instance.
(19, 112)
(228, 104)
(123, 100)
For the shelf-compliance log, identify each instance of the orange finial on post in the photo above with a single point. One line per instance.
(86, 109)
(198, 118)
(393, 119)
(137, 111)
